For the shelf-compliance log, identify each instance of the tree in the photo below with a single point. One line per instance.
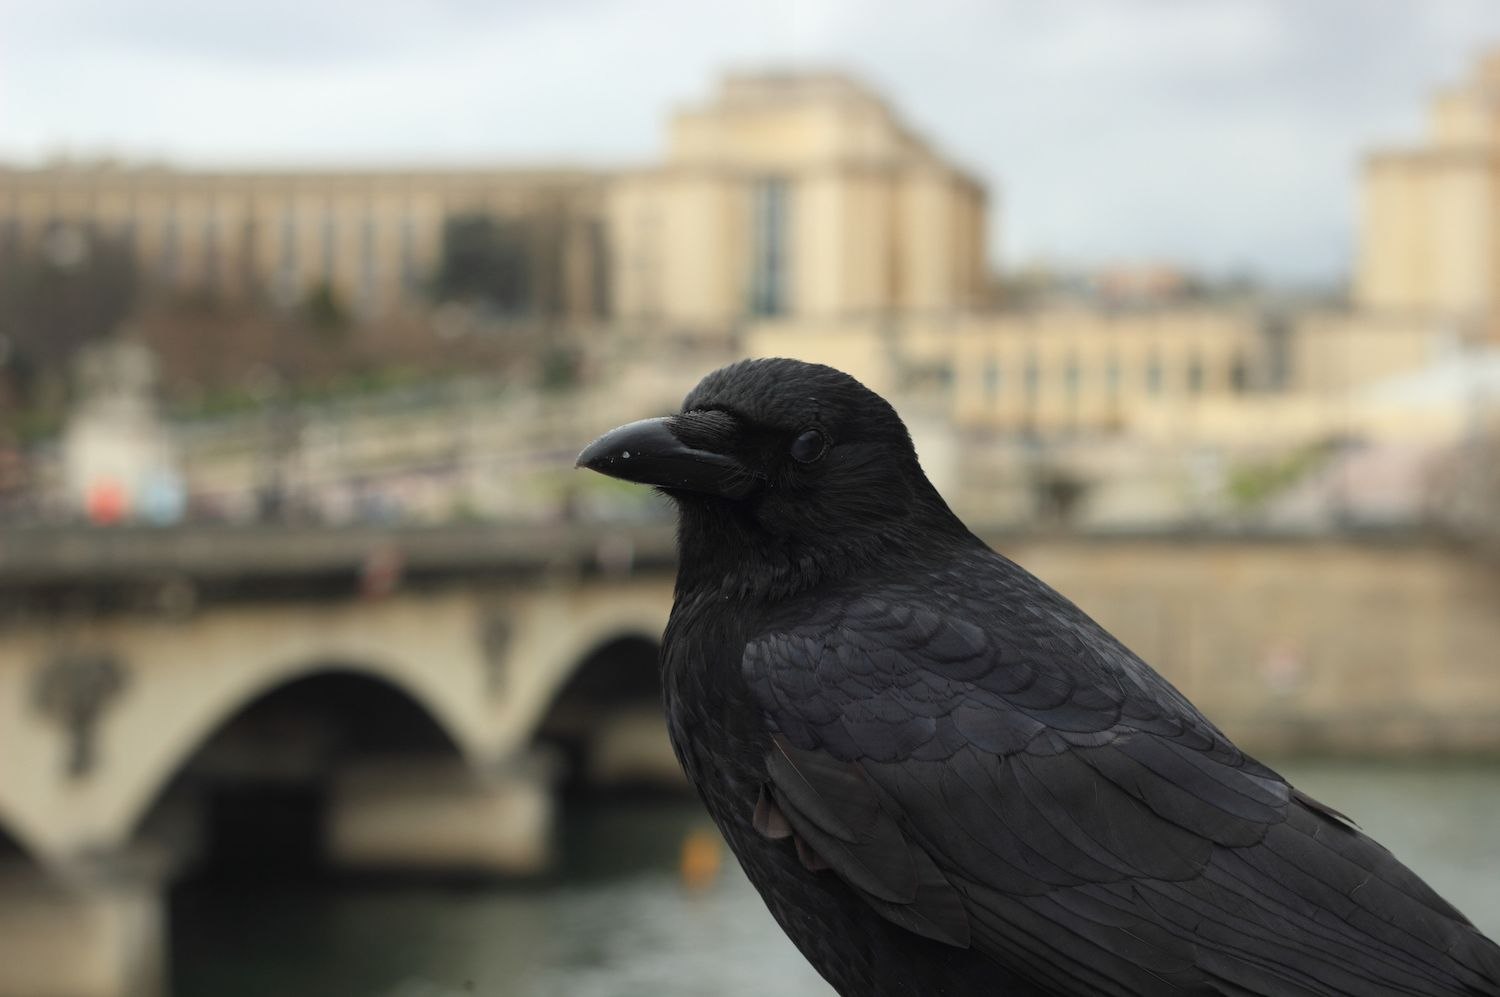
(325, 311)
(76, 286)
(486, 261)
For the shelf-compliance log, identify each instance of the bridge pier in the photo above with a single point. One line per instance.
(99, 933)
(438, 816)
(629, 747)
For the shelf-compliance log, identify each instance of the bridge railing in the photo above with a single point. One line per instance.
(41, 555)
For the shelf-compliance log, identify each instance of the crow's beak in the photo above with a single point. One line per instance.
(653, 452)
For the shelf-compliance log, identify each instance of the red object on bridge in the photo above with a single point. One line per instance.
(106, 502)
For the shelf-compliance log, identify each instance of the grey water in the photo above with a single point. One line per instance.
(615, 920)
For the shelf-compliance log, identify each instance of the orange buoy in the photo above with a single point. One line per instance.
(702, 857)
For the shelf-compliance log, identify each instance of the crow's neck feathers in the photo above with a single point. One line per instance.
(728, 551)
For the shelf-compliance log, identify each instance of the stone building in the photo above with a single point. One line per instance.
(787, 194)
(1431, 214)
(374, 238)
(796, 196)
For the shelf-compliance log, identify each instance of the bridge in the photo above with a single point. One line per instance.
(411, 697)
(428, 686)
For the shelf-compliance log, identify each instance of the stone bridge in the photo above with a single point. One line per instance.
(409, 699)
(428, 686)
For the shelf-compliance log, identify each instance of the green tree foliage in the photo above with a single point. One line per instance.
(73, 287)
(325, 312)
(558, 371)
(1252, 485)
(486, 261)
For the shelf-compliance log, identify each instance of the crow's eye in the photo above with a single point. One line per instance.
(809, 446)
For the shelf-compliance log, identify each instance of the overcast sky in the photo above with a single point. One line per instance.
(1222, 133)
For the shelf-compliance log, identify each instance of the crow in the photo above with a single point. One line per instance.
(945, 778)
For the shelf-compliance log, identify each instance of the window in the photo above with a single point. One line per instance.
(1072, 379)
(1195, 375)
(288, 242)
(210, 250)
(130, 222)
(598, 269)
(1276, 349)
(1033, 381)
(1112, 377)
(409, 278)
(992, 379)
(1239, 375)
(367, 258)
(768, 277)
(1153, 374)
(284, 286)
(170, 247)
(330, 243)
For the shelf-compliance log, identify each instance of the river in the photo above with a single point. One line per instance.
(616, 922)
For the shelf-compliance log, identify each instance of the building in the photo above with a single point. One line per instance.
(1431, 214)
(795, 214)
(795, 196)
(373, 238)
(788, 194)
(1073, 370)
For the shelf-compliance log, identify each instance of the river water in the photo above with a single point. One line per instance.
(615, 920)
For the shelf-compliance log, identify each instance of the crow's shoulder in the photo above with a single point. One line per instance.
(978, 653)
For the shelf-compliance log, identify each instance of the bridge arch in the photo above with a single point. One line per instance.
(599, 709)
(560, 631)
(576, 647)
(16, 840)
(622, 664)
(253, 786)
(181, 738)
(12, 848)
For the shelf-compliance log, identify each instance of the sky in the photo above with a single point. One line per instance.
(1222, 134)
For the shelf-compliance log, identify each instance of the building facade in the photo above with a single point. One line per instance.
(1431, 214)
(373, 238)
(795, 196)
(787, 194)
(1070, 370)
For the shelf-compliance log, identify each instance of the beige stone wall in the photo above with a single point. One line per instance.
(1079, 370)
(1335, 352)
(375, 236)
(81, 939)
(1431, 215)
(1076, 369)
(856, 347)
(1282, 423)
(875, 222)
(678, 247)
(1430, 227)
(790, 121)
(1385, 649)
(1457, 120)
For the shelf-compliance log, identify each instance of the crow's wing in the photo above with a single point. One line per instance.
(1033, 790)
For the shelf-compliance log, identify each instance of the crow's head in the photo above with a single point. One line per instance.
(783, 457)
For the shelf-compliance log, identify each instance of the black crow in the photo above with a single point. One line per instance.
(945, 778)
